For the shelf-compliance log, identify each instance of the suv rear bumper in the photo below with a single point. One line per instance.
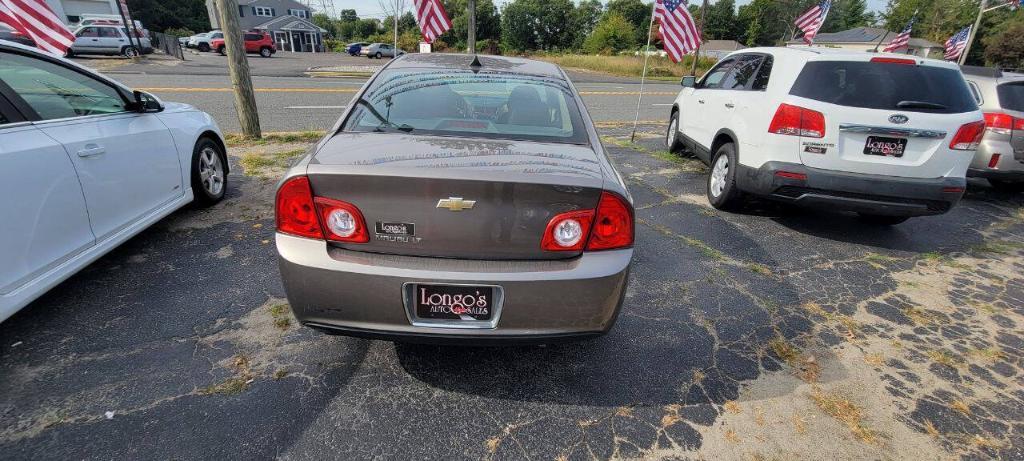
(858, 192)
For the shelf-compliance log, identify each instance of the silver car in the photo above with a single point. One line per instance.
(1000, 157)
(458, 200)
(380, 50)
(108, 40)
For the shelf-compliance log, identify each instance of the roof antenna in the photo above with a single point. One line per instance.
(475, 65)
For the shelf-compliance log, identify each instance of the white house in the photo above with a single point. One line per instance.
(72, 10)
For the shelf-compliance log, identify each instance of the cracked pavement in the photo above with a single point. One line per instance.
(772, 333)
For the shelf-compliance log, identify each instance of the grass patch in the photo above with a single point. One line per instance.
(239, 140)
(760, 269)
(879, 261)
(236, 384)
(281, 315)
(918, 315)
(629, 66)
(998, 247)
(842, 409)
(960, 406)
(945, 358)
(266, 165)
(689, 163)
(988, 354)
(849, 324)
(280, 374)
(875, 359)
(784, 350)
(704, 248)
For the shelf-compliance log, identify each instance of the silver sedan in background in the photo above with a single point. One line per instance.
(458, 200)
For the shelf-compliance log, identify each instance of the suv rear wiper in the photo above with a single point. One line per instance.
(920, 105)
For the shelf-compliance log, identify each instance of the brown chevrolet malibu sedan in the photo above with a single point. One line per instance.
(458, 199)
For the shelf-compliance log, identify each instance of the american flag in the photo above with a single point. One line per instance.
(901, 39)
(811, 21)
(677, 30)
(432, 18)
(956, 44)
(35, 19)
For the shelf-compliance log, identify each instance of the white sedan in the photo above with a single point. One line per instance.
(85, 164)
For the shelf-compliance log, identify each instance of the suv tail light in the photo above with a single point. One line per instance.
(300, 213)
(296, 213)
(613, 226)
(797, 121)
(968, 136)
(1002, 123)
(904, 61)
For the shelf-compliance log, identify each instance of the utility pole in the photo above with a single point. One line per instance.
(238, 65)
(471, 36)
(397, 12)
(974, 32)
(696, 54)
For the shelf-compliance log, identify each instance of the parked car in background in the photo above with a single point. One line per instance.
(478, 208)
(887, 136)
(381, 50)
(73, 178)
(11, 35)
(1000, 157)
(355, 49)
(108, 40)
(255, 42)
(201, 42)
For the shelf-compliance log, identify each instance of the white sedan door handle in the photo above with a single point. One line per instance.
(730, 105)
(700, 101)
(92, 150)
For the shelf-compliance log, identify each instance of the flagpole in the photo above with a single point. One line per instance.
(643, 76)
(973, 33)
(696, 54)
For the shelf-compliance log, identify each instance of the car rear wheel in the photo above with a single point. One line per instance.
(672, 135)
(1007, 186)
(129, 52)
(209, 173)
(379, 55)
(222, 50)
(722, 191)
(266, 52)
(69, 53)
(881, 220)
(204, 47)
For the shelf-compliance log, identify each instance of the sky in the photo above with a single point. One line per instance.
(371, 8)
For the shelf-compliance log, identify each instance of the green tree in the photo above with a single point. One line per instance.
(157, 15)
(613, 34)
(848, 14)
(585, 18)
(325, 22)
(721, 22)
(488, 23)
(636, 12)
(537, 25)
(1005, 49)
(348, 16)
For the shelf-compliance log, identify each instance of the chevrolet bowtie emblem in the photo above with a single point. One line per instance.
(455, 204)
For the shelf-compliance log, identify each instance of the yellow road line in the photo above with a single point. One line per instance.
(353, 90)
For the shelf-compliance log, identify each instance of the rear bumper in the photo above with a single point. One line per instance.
(862, 193)
(361, 294)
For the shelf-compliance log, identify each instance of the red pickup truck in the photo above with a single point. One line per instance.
(255, 42)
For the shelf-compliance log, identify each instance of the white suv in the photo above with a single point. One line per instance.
(887, 136)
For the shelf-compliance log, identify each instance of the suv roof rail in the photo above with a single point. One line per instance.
(991, 72)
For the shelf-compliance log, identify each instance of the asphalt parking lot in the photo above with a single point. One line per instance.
(767, 334)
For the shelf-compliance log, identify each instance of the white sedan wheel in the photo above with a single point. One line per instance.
(719, 175)
(211, 171)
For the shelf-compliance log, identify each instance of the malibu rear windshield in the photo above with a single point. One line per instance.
(463, 103)
(873, 85)
(1011, 96)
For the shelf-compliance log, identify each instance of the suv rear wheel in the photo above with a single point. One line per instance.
(722, 191)
(379, 55)
(266, 52)
(222, 50)
(204, 47)
(129, 52)
(672, 135)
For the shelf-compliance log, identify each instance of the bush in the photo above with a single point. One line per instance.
(1006, 50)
(179, 32)
(335, 45)
(613, 34)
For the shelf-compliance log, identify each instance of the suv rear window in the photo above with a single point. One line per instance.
(1011, 96)
(463, 103)
(873, 85)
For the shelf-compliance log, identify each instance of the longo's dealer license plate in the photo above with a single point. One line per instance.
(454, 302)
(884, 146)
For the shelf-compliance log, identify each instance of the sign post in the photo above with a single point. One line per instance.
(129, 28)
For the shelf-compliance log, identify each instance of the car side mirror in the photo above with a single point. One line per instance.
(689, 81)
(146, 103)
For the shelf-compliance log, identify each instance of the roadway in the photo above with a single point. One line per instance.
(304, 103)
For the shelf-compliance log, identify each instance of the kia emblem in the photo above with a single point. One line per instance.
(898, 119)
